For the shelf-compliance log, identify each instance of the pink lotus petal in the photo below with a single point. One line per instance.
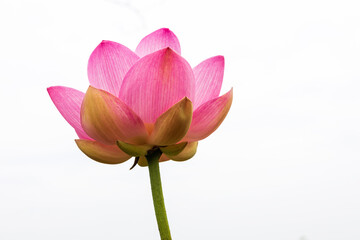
(99, 152)
(156, 82)
(82, 134)
(68, 102)
(208, 117)
(107, 119)
(208, 79)
(108, 65)
(157, 40)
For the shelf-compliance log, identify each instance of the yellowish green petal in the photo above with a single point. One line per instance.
(173, 124)
(110, 154)
(105, 118)
(188, 152)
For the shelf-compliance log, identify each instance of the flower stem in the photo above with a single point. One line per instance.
(157, 194)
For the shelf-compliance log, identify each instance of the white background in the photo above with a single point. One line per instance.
(284, 165)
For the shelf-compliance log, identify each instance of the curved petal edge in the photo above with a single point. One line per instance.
(102, 153)
(156, 82)
(188, 152)
(107, 119)
(173, 124)
(208, 117)
(68, 102)
(208, 79)
(157, 40)
(108, 64)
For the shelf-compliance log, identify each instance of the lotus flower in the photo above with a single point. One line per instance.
(147, 99)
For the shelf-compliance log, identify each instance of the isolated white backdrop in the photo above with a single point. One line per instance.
(284, 165)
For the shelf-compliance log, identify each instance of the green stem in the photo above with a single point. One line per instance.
(157, 194)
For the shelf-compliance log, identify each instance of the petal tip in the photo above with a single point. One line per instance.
(51, 89)
(164, 31)
(168, 50)
(187, 100)
(209, 116)
(220, 58)
(186, 105)
(106, 42)
(92, 88)
(156, 40)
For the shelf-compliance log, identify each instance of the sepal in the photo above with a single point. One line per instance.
(173, 150)
(134, 150)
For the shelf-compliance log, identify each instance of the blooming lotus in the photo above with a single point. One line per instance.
(144, 100)
(149, 104)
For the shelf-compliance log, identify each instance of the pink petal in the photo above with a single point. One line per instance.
(157, 40)
(107, 119)
(82, 134)
(156, 82)
(108, 65)
(109, 154)
(208, 79)
(208, 117)
(68, 102)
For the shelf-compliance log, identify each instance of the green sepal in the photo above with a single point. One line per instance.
(134, 150)
(173, 150)
(143, 162)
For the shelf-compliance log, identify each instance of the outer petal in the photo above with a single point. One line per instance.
(173, 124)
(156, 82)
(188, 152)
(102, 153)
(68, 102)
(208, 117)
(108, 65)
(107, 119)
(157, 40)
(208, 79)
